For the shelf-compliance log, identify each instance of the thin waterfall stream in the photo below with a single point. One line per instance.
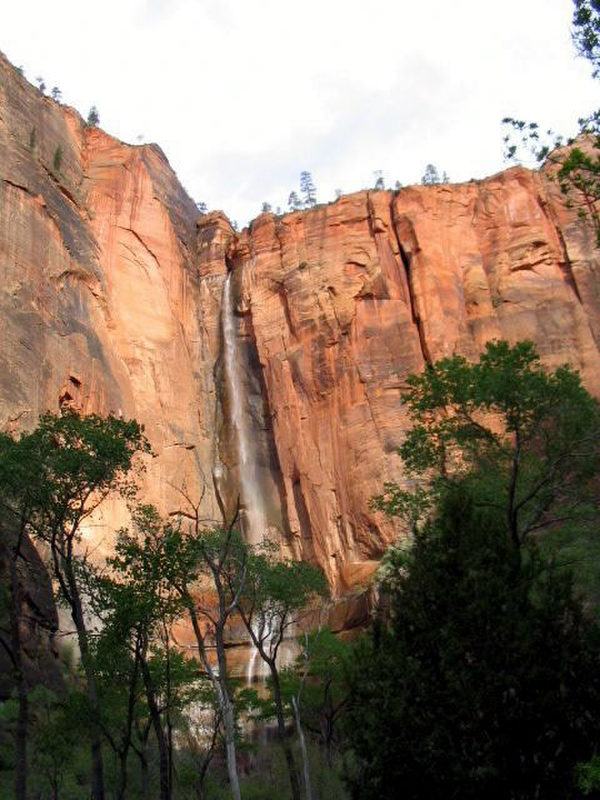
(254, 518)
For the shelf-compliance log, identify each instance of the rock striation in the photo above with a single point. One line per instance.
(111, 295)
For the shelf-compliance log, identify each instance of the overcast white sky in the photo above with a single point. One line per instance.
(244, 94)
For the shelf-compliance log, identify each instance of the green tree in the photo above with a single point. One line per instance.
(323, 694)
(138, 668)
(308, 190)
(315, 690)
(205, 568)
(133, 654)
(379, 181)
(484, 683)
(275, 596)
(93, 117)
(120, 691)
(586, 31)
(294, 202)
(524, 439)
(574, 161)
(60, 739)
(51, 481)
(430, 176)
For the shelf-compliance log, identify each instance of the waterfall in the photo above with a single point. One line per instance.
(253, 511)
(254, 517)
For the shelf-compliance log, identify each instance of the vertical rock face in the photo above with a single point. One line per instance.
(101, 300)
(38, 619)
(347, 299)
(110, 299)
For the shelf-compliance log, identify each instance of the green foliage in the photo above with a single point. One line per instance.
(57, 160)
(576, 167)
(143, 565)
(276, 594)
(32, 139)
(317, 679)
(484, 684)
(308, 190)
(523, 439)
(430, 176)
(412, 507)
(379, 181)
(588, 776)
(280, 588)
(51, 480)
(393, 565)
(93, 117)
(294, 202)
(575, 164)
(57, 474)
(58, 738)
(323, 691)
(586, 31)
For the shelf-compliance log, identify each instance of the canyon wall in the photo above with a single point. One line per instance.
(110, 300)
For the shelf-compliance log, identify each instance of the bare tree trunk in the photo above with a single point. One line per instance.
(122, 786)
(228, 716)
(163, 750)
(303, 750)
(126, 739)
(285, 743)
(222, 691)
(141, 753)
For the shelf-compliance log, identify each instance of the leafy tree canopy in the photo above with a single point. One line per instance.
(484, 683)
(524, 439)
(586, 31)
(575, 160)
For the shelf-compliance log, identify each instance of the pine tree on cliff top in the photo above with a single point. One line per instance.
(308, 190)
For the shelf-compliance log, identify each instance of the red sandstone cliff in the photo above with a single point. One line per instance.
(110, 300)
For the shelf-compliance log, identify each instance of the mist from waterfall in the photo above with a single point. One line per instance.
(253, 512)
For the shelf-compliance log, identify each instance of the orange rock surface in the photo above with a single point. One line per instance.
(110, 300)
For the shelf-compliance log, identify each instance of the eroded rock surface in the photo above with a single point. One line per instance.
(110, 299)
(347, 299)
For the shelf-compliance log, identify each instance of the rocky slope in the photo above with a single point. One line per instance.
(110, 300)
